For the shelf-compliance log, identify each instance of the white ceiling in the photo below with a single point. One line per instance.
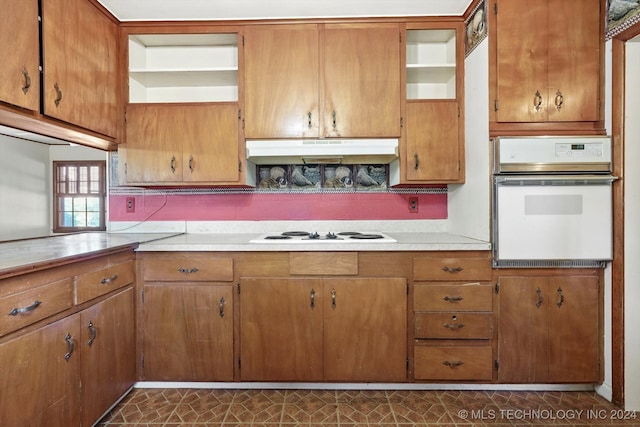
(162, 10)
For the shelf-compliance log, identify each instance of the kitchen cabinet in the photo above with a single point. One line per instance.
(549, 329)
(19, 50)
(323, 329)
(547, 61)
(434, 132)
(453, 316)
(188, 318)
(175, 143)
(328, 80)
(80, 66)
(41, 376)
(108, 368)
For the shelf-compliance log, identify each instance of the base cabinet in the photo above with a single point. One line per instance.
(549, 329)
(323, 329)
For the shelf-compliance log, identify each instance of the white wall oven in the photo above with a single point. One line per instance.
(552, 201)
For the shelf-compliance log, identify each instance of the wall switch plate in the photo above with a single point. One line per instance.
(413, 204)
(131, 204)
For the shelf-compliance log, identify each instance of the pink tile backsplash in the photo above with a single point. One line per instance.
(256, 206)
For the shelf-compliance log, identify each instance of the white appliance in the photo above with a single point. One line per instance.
(552, 202)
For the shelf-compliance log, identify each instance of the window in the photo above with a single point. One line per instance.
(79, 196)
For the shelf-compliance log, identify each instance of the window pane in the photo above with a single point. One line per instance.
(67, 204)
(93, 204)
(93, 219)
(79, 219)
(80, 204)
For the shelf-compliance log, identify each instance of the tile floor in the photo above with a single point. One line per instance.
(355, 408)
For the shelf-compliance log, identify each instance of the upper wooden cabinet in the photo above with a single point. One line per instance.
(433, 137)
(331, 80)
(19, 47)
(546, 61)
(80, 63)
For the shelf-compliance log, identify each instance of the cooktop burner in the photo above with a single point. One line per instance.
(313, 237)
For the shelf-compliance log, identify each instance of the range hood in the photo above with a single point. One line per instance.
(325, 151)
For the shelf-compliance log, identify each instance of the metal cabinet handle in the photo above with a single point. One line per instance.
(94, 333)
(72, 346)
(58, 94)
(188, 270)
(559, 100)
(107, 280)
(561, 299)
(26, 309)
(312, 297)
(453, 326)
(453, 299)
(309, 119)
(333, 299)
(172, 165)
(452, 270)
(540, 299)
(416, 161)
(221, 306)
(191, 163)
(537, 101)
(334, 122)
(27, 81)
(454, 364)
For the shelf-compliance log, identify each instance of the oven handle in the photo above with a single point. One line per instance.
(523, 180)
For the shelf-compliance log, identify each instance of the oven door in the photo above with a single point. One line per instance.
(552, 221)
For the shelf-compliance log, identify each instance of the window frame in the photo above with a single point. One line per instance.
(101, 195)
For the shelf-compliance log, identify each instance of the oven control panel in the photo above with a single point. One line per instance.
(582, 151)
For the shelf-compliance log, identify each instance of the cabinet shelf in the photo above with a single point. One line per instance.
(431, 64)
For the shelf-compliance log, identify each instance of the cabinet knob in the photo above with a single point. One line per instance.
(221, 306)
(561, 298)
(94, 333)
(540, 298)
(27, 81)
(56, 87)
(559, 100)
(537, 101)
(71, 344)
(416, 161)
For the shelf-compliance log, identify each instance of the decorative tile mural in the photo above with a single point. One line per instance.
(314, 177)
(621, 14)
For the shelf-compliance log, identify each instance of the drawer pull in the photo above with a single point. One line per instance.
(452, 270)
(221, 306)
(454, 326)
(71, 345)
(561, 300)
(94, 333)
(312, 296)
(26, 309)
(188, 270)
(108, 280)
(455, 364)
(540, 298)
(27, 81)
(453, 299)
(333, 299)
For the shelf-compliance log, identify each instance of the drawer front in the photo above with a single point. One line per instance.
(94, 284)
(452, 269)
(25, 308)
(454, 325)
(453, 297)
(323, 263)
(188, 267)
(453, 363)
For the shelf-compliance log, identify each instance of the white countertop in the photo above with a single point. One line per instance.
(220, 242)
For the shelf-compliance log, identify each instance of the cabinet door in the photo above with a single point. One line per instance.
(433, 144)
(522, 52)
(574, 329)
(365, 329)
(281, 329)
(108, 354)
(281, 81)
(19, 50)
(80, 65)
(188, 332)
(523, 328)
(40, 380)
(154, 143)
(574, 60)
(361, 80)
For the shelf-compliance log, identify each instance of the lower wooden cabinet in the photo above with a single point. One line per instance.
(323, 329)
(549, 329)
(454, 362)
(188, 332)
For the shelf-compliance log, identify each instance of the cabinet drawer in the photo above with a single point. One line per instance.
(453, 363)
(22, 309)
(96, 283)
(452, 269)
(447, 297)
(188, 267)
(454, 325)
(323, 263)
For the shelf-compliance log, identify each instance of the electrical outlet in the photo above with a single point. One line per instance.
(413, 204)
(131, 204)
